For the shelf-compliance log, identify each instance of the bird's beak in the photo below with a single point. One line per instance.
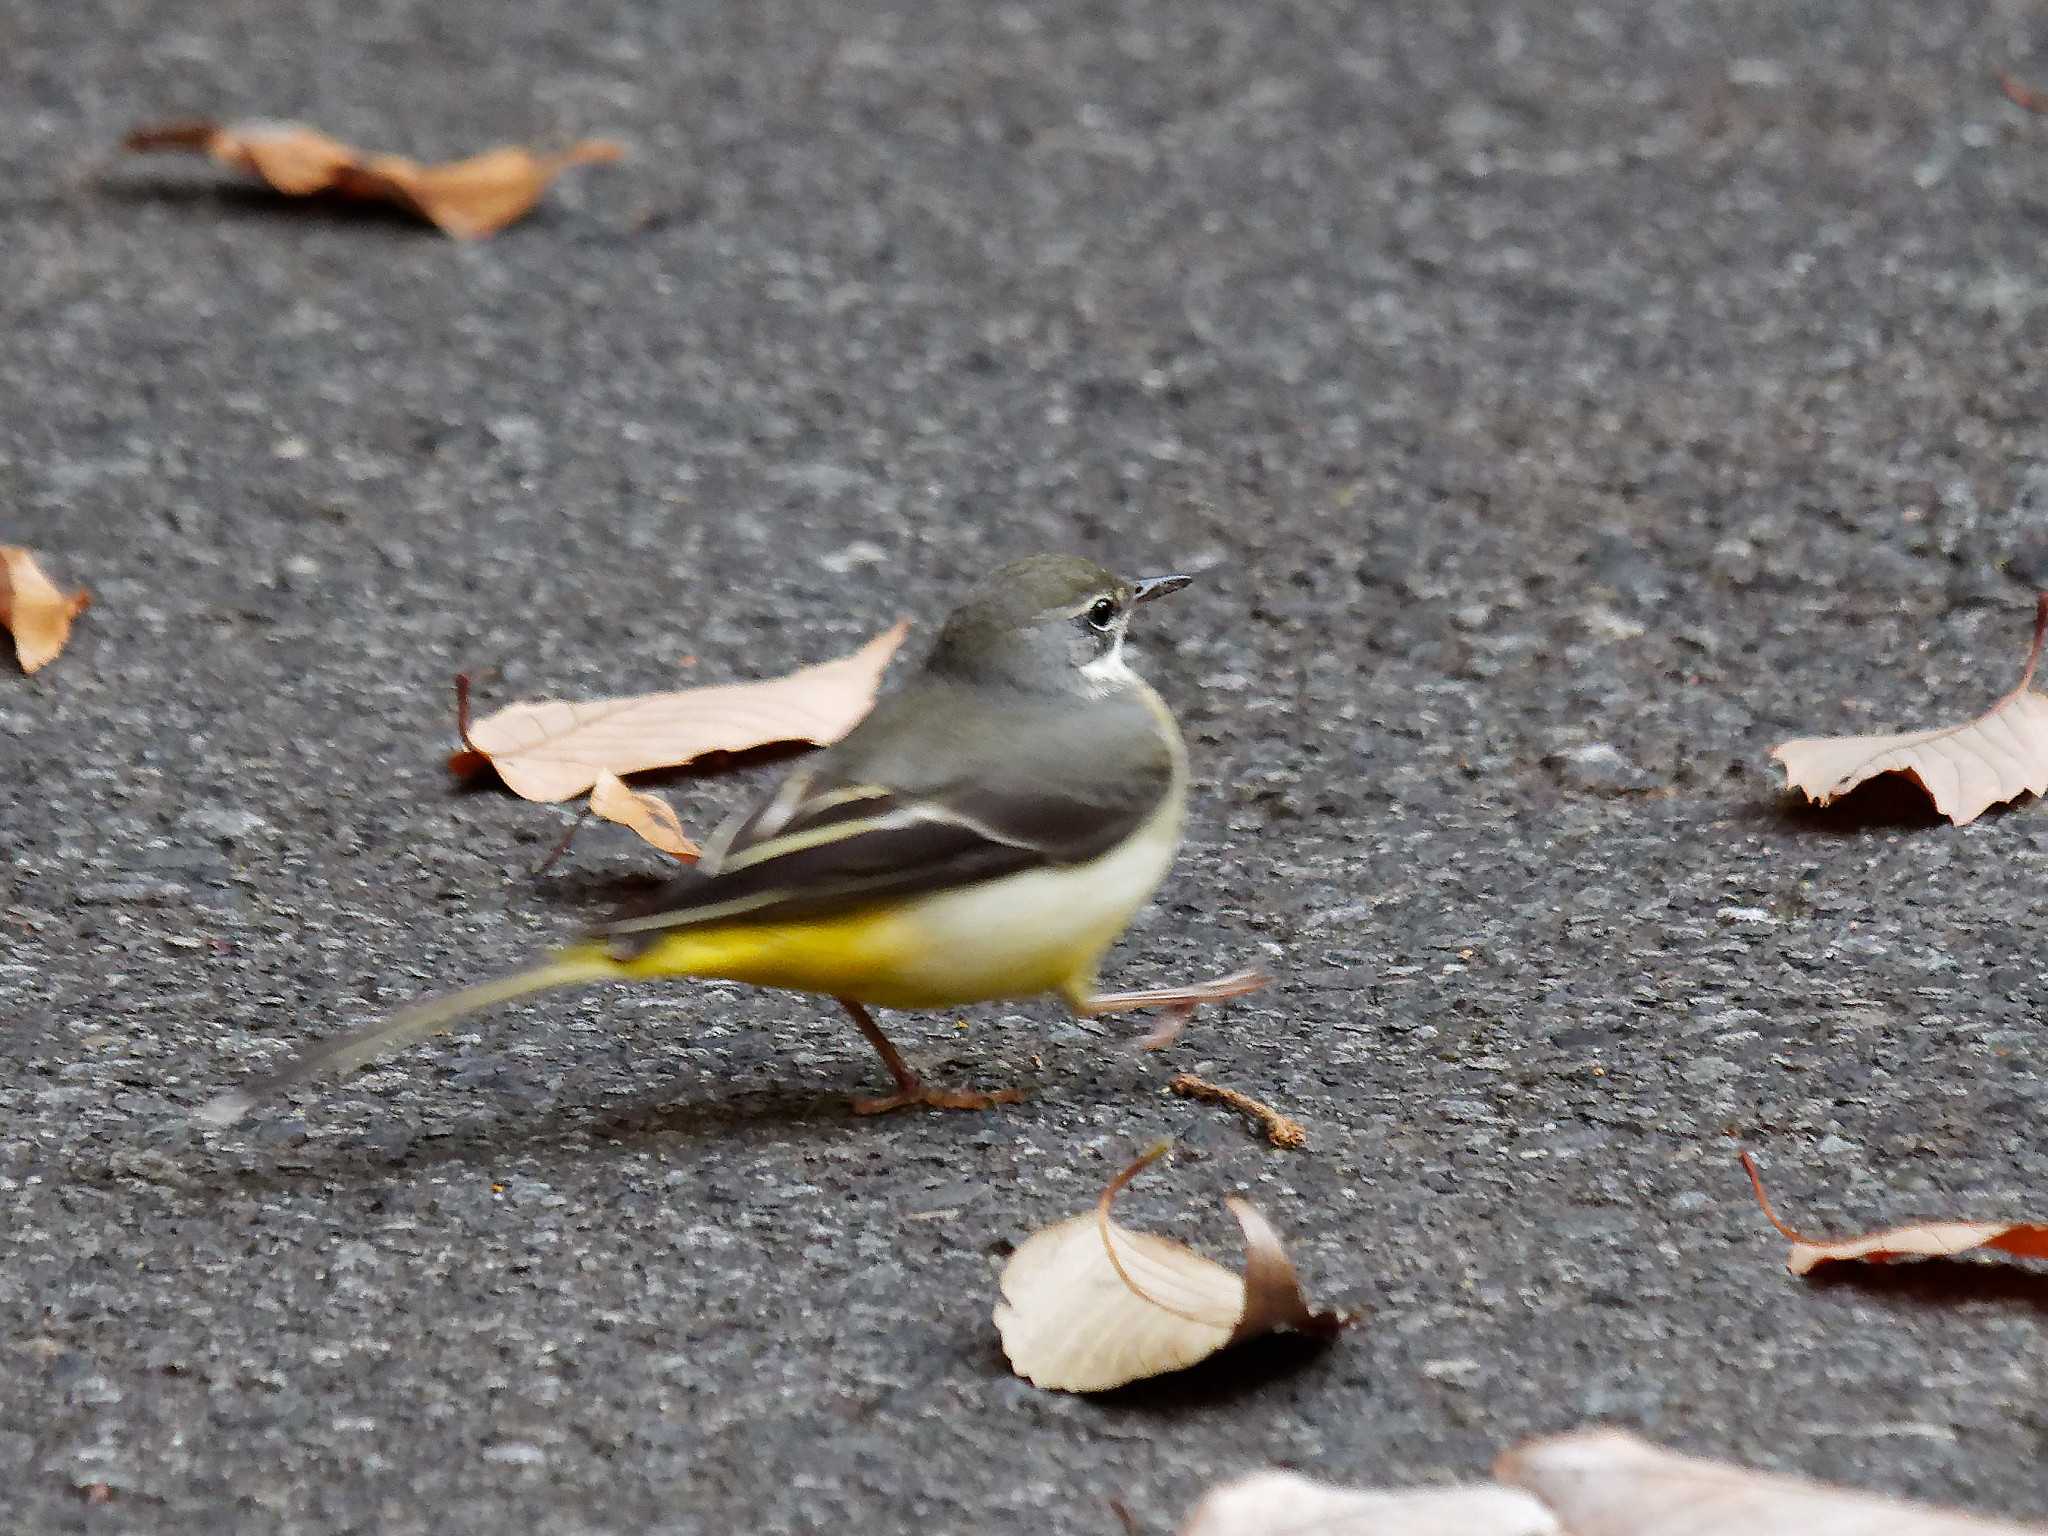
(1145, 588)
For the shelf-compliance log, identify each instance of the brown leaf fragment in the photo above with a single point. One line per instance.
(1089, 1305)
(1271, 1502)
(1606, 1482)
(1964, 769)
(551, 750)
(1280, 1129)
(649, 815)
(1921, 1240)
(2021, 94)
(467, 198)
(34, 609)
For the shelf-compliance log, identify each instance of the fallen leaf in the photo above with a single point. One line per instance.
(32, 607)
(1089, 1305)
(1922, 1240)
(649, 815)
(1965, 769)
(1605, 1482)
(551, 750)
(466, 198)
(2021, 94)
(1268, 1503)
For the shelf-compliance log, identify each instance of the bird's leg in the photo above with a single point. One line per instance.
(910, 1088)
(1179, 1003)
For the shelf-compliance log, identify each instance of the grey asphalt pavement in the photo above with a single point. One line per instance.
(1563, 404)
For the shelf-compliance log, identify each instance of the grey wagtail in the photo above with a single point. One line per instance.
(987, 832)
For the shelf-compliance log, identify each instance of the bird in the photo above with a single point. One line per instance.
(986, 833)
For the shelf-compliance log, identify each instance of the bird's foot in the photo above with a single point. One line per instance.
(910, 1088)
(1176, 1004)
(915, 1094)
(1172, 1020)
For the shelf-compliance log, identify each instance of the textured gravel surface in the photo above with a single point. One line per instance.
(1564, 403)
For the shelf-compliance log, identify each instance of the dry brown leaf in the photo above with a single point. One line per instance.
(1270, 1503)
(1089, 1305)
(1605, 1482)
(1921, 1240)
(1965, 769)
(466, 198)
(611, 799)
(34, 609)
(551, 750)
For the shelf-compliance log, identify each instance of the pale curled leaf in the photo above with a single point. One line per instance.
(1069, 1322)
(611, 799)
(1089, 1305)
(1277, 1503)
(1918, 1240)
(1964, 769)
(1272, 1290)
(1605, 1482)
(551, 750)
(34, 609)
(468, 198)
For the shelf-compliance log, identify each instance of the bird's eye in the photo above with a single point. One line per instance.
(1103, 613)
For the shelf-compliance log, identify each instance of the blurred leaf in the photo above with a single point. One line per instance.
(33, 609)
(466, 198)
(1604, 1482)
(649, 815)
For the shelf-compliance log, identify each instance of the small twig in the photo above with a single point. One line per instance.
(470, 760)
(562, 847)
(180, 133)
(2022, 96)
(462, 709)
(1756, 1182)
(1281, 1130)
(1123, 1514)
(2040, 633)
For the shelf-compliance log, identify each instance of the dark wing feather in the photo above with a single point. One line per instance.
(935, 790)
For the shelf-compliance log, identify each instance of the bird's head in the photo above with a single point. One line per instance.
(1047, 623)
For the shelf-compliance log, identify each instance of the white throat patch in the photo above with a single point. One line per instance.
(1109, 671)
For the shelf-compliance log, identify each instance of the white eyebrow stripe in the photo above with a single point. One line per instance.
(1122, 607)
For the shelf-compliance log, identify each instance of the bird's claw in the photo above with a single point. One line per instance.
(915, 1094)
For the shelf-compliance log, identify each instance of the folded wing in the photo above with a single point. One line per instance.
(870, 820)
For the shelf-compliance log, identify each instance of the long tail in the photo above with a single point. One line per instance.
(343, 1053)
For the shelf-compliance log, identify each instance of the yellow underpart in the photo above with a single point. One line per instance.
(886, 958)
(1041, 930)
(876, 958)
